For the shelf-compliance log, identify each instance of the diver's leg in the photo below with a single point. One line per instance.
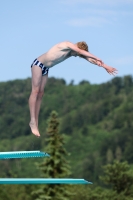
(36, 84)
(39, 97)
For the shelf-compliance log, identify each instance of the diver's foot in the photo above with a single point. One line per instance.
(34, 129)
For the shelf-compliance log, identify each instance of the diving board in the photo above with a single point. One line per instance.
(43, 181)
(22, 154)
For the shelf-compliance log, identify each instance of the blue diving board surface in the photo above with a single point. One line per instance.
(22, 154)
(43, 181)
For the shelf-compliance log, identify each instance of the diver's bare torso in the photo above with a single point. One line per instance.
(55, 55)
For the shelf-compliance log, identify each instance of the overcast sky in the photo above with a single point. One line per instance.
(30, 27)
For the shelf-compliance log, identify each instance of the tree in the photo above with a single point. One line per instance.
(119, 177)
(109, 156)
(56, 165)
(3, 193)
(118, 153)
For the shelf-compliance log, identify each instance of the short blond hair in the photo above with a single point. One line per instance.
(82, 45)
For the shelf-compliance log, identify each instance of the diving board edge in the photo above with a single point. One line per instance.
(43, 181)
(22, 154)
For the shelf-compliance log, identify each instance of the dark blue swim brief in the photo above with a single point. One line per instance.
(39, 64)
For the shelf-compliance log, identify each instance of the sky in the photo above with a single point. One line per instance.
(29, 28)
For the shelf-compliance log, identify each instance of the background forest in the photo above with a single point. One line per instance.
(97, 127)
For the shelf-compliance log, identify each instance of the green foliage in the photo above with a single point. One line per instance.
(119, 177)
(96, 119)
(3, 194)
(56, 165)
(14, 192)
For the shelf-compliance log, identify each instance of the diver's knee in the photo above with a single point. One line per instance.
(40, 95)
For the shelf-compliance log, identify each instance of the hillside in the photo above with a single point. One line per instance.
(96, 120)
